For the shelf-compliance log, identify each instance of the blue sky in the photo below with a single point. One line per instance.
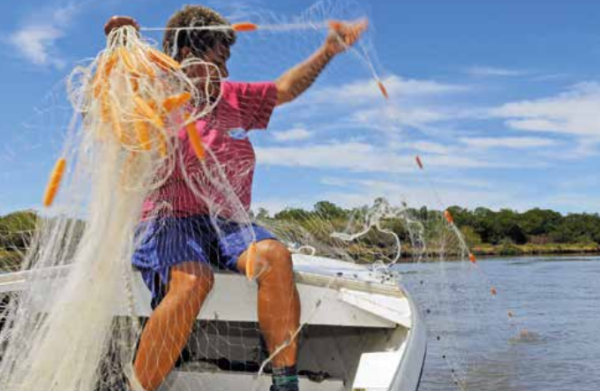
(500, 99)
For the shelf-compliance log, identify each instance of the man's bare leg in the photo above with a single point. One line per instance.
(170, 325)
(278, 300)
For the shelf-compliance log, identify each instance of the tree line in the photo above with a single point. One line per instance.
(479, 226)
(504, 231)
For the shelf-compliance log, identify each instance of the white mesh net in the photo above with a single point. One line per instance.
(156, 167)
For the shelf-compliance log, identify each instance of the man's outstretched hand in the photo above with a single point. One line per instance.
(119, 21)
(342, 35)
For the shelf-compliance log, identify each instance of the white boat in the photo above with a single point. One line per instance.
(361, 331)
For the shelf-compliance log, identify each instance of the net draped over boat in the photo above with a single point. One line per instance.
(141, 134)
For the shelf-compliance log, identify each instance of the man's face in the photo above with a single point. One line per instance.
(217, 57)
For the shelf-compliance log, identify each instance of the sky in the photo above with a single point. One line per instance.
(500, 99)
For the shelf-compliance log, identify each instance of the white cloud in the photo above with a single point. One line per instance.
(507, 142)
(35, 43)
(353, 156)
(391, 114)
(424, 146)
(367, 92)
(575, 112)
(296, 134)
(329, 181)
(36, 39)
(487, 71)
(361, 157)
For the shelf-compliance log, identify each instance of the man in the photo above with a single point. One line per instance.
(176, 251)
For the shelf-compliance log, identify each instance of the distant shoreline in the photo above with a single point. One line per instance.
(10, 261)
(506, 251)
(536, 249)
(514, 250)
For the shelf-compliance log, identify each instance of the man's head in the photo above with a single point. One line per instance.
(206, 44)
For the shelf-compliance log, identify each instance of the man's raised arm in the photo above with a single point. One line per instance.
(295, 81)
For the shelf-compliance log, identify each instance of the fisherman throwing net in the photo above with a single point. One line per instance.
(158, 159)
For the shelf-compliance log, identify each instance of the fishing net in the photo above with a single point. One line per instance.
(151, 138)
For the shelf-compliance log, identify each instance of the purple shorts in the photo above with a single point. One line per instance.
(169, 241)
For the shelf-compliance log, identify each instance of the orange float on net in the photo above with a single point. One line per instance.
(135, 84)
(105, 106)
(127, 60)
(493, 291)
(244, 27)
(54, 182)
(115, 122)
(448, 217)
(472, 258)
(145, 110)
(110, 64)
(383, 89)
(335, 25)
(162, 145)
(173, 102)
(419, 162)
(142, 131)
(251, 261)
(146, 69)
(96, 83)
(195, 140)
(163, 61)
(101, 75)
(97, 89)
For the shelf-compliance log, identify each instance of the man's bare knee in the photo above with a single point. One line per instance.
(276, 259)
(191, 279)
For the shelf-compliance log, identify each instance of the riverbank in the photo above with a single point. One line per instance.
(11, 261)
(484, 250)
(536, 249)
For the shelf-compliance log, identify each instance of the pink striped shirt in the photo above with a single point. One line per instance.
(222, 183)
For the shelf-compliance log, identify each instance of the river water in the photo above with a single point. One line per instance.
(552, 341)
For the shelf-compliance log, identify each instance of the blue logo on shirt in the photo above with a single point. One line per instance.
(238, 134)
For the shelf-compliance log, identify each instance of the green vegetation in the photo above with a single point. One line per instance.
(487, 232)
(536, 231)
(16, 230)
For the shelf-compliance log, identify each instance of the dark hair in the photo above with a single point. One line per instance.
(197, 40)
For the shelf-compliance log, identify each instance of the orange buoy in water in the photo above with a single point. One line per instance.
(54, 182)
(472, 258)
(493, 291)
